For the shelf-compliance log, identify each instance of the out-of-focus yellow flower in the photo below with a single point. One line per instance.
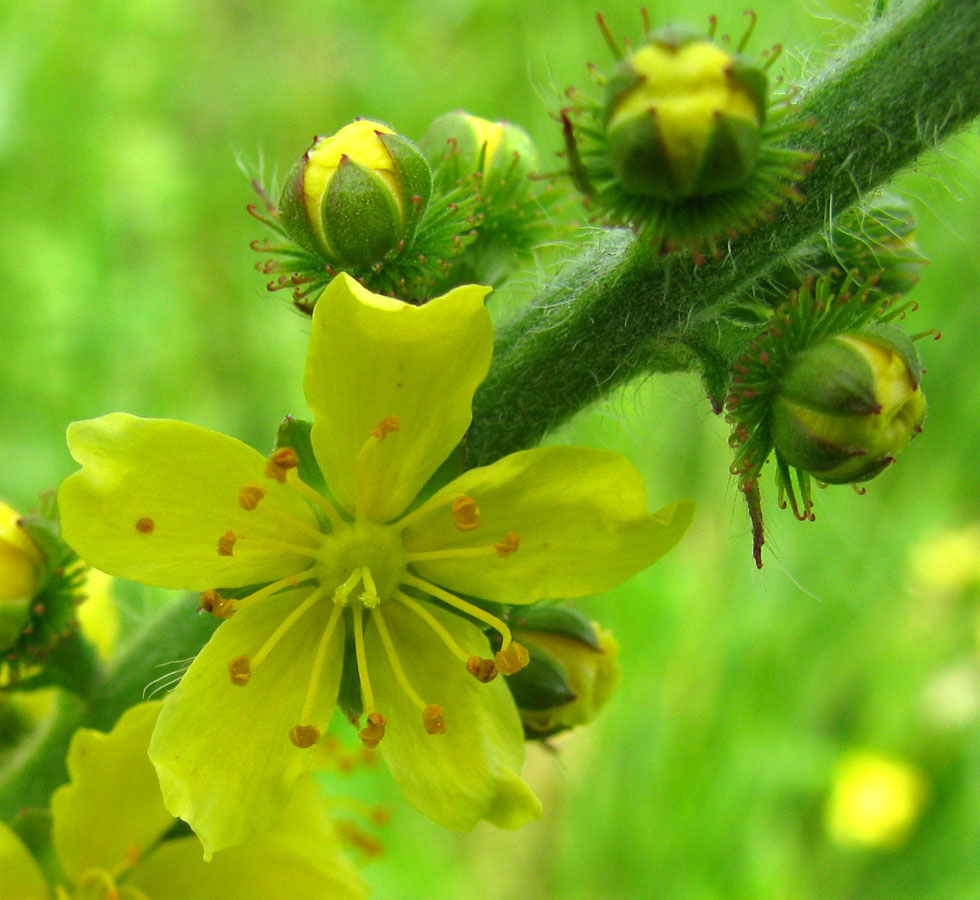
(948, 561)
(20, 566)
(875, 800)
(109, 820)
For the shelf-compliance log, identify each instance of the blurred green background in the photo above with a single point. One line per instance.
(127, 283)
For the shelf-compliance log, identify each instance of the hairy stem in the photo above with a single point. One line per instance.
(910, 79)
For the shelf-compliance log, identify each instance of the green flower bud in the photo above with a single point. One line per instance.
(20, 565)
(503, 153)
(355, 196)
(847, 404)
(684, 117)
(573, 670)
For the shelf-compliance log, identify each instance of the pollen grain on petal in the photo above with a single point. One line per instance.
(385, 427)
(214, 603)
(240, 671)
(281, 461)
(145, 525)
(304, 736)
(513, 659)
(508, 545)
(226, 543)
(433, 719)
(466, 514)
(372, 733)
(249, 496)
(481, 669)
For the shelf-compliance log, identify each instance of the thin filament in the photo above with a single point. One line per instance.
(283, 627)
(396, 665)
(434, 624)
(463, 606)
(367, 695)
(321, 653)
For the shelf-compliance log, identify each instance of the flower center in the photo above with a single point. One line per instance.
(358, 567)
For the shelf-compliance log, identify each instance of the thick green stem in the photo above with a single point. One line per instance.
(910, 79)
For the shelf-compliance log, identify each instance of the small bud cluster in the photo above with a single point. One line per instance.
(685, 147)
(407, 223)
(830, 387)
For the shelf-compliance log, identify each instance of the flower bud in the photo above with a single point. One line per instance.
(573, 671)
(20, 565)
(503, 153)
(847, 404)
(355, 196)
(684, 117)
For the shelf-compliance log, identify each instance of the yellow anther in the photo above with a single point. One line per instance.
(433, 720)
(280, 463)
(145, 525)
(226, 543)
(240, 670)
(214, 603)
(508, 545)
(466, 514)
(249, 496)
(385, 427)
(484, 670)
(372, 733)
(304, 736)
(513, 659)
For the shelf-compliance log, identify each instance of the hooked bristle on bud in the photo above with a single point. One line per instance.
(831, 387)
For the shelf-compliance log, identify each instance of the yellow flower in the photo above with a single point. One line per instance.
(108, 822)
(875, 800)
(391, 388)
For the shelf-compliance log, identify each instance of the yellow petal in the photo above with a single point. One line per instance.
(581, 516)
(20, 876)
(372, 358)
(472, 771)
(297, 858)
(111, 811)
(154, 497)
(222, 752)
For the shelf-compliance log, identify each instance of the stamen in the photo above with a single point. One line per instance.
(249, 496)
(240, 671)
(385, 427)
(226, 543)
(145, 525)
(433, 623)
(376, 722)
(284, 626)
(262, 593)
(291, 523)
(280, 463)
(304, 736)
(433, 719)
(307, 733)
(318, 500)
(508, 545)
(466, 514)
(481, 669)
(214, 603)
(513, 659)
(463, 606)
(372, 733)
(369, 597)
